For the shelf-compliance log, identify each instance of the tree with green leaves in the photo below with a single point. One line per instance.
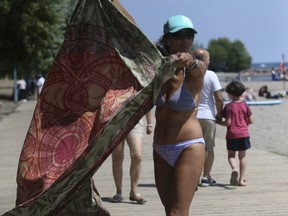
(228, 56)
(31, 34)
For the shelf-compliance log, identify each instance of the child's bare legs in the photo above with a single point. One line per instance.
(232, 160)
(243, 164)
(232, 163)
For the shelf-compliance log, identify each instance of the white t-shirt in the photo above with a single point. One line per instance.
(40, 84)
(206, 108)
(21, 84)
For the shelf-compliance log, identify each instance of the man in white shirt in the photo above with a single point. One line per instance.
(210, 96)
(21, 85)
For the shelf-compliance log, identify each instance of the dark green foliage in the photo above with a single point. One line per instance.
(228, 56)
(31, 34)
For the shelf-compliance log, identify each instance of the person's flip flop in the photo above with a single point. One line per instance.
(117, 198)
(138, 199)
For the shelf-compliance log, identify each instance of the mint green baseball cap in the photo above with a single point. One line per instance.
(178, 22)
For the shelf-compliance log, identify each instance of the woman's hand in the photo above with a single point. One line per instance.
(149, 129)
(183, 60)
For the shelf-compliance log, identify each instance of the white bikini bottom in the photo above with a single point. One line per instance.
(171, 152)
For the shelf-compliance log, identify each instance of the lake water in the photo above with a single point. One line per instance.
(263, 66)
(267, 65)
(256, 77)
(260, 78)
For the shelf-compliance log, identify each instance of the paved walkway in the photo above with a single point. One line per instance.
(266, 193)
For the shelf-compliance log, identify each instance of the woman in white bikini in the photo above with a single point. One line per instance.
(178, 143)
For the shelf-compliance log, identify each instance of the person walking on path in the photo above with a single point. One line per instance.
(22, 90)
(237, 116)
(178, 145)
(40, 80)
(210, 94)
(134, 141)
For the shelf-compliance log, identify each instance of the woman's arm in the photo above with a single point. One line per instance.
(193, 66)
(149, 120)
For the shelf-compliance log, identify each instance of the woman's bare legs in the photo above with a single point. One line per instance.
(117, 166)
(176, 185)
(135, 144)
(163, 178)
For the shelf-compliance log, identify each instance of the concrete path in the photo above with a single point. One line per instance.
(265, 195)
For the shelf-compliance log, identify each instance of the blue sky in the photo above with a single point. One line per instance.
(260, 24)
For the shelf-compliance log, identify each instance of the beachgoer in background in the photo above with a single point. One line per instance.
(211, 94)
(31, 86)
(237, 117)
(285, 76)
(134, 141)
(263, 92)
(40, 80)
(22, 90)
(248, 95)
(274, 75)
(178, 148)
(239, 76)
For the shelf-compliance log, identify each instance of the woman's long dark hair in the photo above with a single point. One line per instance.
(162, 47)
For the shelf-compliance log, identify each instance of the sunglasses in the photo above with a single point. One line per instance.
(181, 35)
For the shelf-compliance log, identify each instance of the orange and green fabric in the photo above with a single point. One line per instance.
(101, 83)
